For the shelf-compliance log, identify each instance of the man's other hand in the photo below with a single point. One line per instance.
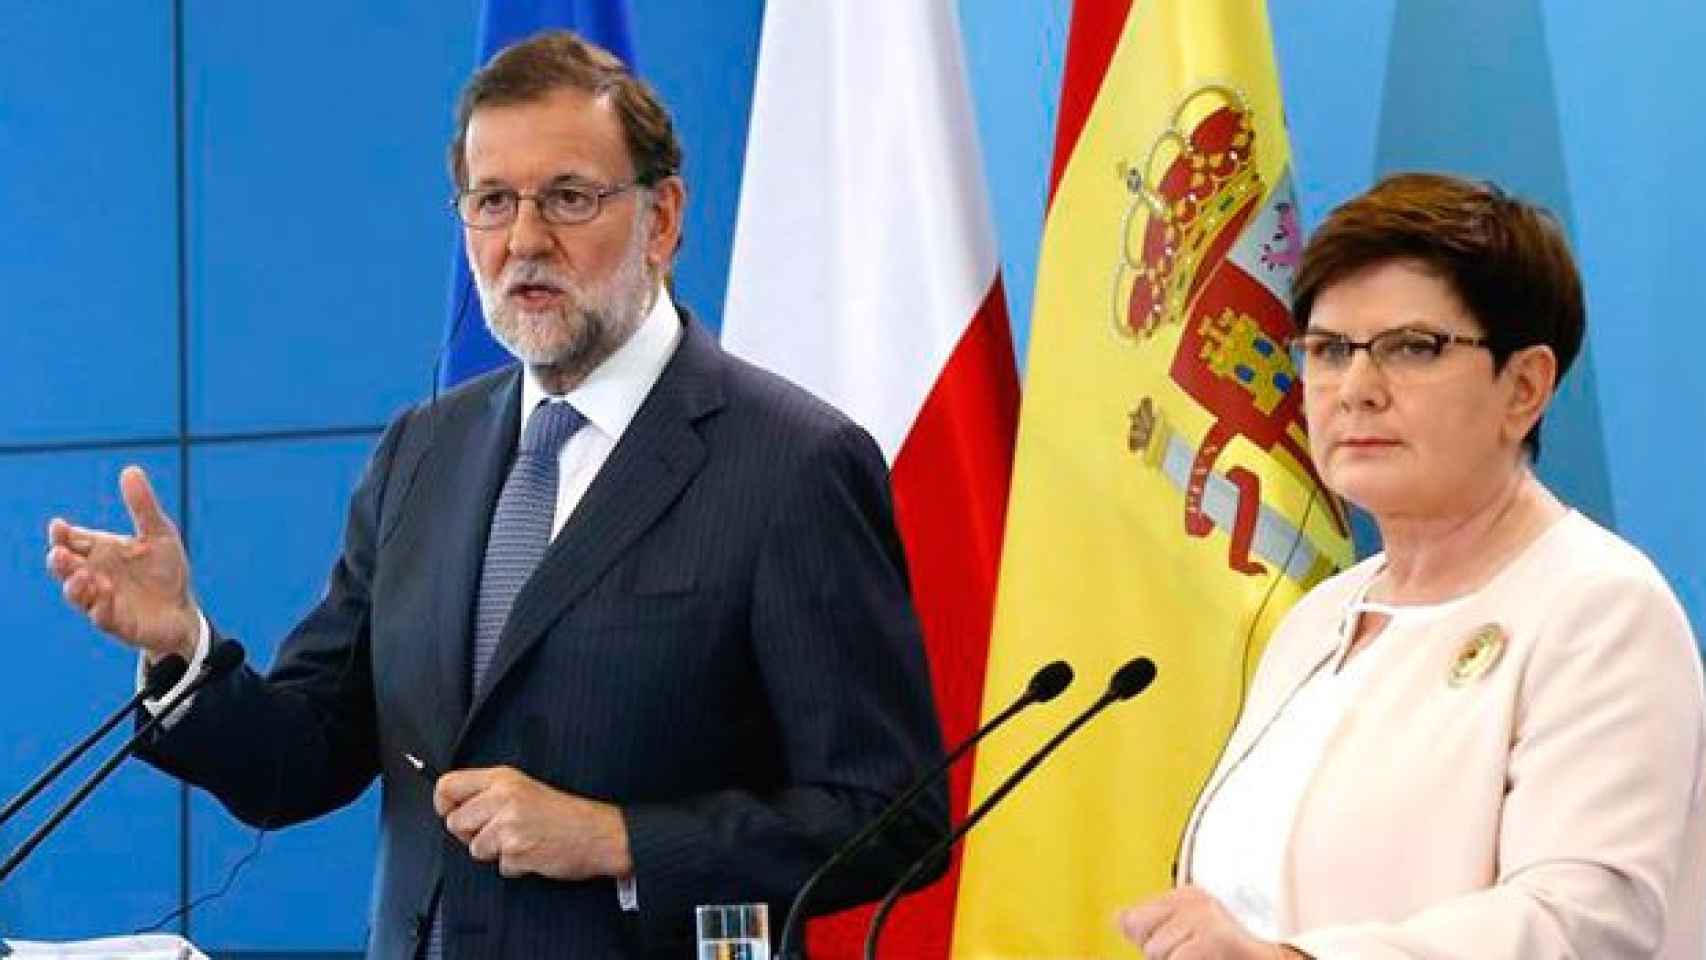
(508, 818)
(136, 587)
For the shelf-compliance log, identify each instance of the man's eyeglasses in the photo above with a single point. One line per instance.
(1400, 353)
(561, 204)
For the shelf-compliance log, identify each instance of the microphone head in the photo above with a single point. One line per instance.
(226, 657)
(1048, 682)
(165, 674)
(1131, 679)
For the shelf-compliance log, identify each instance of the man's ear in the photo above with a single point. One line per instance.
(1533, 376)
(669, 203)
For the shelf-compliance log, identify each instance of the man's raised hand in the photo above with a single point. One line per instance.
(135, 588)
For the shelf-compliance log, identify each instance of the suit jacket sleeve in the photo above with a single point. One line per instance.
(301, 741)
(842, 664)
(1605, 764)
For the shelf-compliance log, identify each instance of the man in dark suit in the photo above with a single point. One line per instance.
(644, 602)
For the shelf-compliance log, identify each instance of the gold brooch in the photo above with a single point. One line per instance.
(1477, 655)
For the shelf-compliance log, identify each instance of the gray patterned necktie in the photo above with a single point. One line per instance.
(521, 530)
(521, 526)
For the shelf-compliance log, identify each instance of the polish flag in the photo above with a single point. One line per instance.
(865, 270)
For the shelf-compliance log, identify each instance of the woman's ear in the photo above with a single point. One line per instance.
(1532, 373)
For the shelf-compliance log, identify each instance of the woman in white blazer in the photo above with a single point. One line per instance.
(1486, 741)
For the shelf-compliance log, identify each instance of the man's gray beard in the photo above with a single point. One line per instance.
(592, 323)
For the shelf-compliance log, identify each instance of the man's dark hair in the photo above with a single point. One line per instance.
(1506, 260)
(531, 70)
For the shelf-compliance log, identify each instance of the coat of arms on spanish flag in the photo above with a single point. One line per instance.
(1163, 501)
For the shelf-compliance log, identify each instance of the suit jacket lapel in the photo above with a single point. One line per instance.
(477, 442)
(657, 456)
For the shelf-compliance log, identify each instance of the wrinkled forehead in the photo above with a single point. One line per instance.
(565, 133)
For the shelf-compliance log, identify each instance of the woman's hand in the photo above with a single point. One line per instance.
(1189, 924)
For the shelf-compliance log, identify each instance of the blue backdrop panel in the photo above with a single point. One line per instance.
(318, 206)
(701, 58)
(113, 866)
(268, 523)
(87, 258)
(1624, 75)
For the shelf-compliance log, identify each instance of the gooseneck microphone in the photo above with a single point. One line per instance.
(161, 677)
(1046, 684)
(220, 661)
(1127, 682)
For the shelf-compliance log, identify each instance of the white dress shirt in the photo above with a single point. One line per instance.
(608, 398)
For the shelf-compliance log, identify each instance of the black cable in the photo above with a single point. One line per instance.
(261, 832)
(1268, 596)
(224, 888)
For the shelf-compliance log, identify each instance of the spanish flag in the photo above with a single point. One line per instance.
(1163, 501)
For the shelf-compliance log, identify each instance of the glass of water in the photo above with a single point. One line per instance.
(738, 931)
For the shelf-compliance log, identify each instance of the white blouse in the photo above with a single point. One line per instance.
(1246, 825)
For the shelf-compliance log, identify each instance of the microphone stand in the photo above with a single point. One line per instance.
(1046, 684)
(222, 660)
(162, 676)
(1127, 682)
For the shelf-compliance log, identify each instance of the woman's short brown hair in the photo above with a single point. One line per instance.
(529, 71)
(1507, 260)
